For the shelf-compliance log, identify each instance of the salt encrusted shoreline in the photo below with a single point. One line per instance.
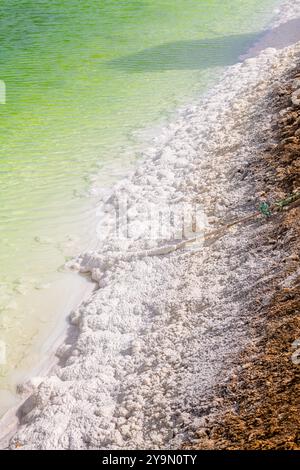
(163, 330)
(259, 405)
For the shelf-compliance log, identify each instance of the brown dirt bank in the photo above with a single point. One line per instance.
(262, 397)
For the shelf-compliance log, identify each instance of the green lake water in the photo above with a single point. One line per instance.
(81, 77)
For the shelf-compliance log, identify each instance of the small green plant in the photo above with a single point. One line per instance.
(265, 209)
(289, 200)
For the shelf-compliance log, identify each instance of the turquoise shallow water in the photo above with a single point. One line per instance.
(81, 78)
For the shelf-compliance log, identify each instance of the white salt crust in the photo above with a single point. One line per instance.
(162, 330)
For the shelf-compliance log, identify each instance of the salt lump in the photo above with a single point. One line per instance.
(296, 98)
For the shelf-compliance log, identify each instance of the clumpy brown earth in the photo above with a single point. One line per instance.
(262, 397)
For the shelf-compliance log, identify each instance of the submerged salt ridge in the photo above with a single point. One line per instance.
(161, 331)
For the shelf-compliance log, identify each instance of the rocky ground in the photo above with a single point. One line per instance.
(262, 396)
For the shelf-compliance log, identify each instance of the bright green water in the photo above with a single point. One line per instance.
(81, 76)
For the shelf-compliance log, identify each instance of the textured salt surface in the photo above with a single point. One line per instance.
(161, 330)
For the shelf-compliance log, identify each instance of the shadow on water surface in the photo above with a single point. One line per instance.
(207, 53)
